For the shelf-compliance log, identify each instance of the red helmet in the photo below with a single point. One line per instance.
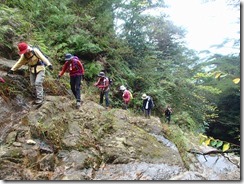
(22, 47)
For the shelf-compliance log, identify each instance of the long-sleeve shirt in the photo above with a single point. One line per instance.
(74, 67)
(102, 83)
(32, 61)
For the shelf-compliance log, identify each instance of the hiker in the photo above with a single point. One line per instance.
(76, 72)
(148, 104)
(126, 96)
(103, 85)
(36, 61)
(168, 113)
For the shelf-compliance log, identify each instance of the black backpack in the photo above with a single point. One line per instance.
(110, 81)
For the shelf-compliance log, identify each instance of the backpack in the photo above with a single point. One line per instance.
(167, 112)
(151, 99)
(110, 81)
(37, 47)
(131, 96)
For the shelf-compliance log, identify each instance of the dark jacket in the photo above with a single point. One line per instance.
(150, 103)
(168, 112)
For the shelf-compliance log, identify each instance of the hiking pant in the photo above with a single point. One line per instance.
(126, 104)
(75, 82)
(147, 112)
(36, 79)
(168, 118)
(102, 93)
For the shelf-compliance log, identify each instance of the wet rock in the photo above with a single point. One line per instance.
(47, 163)
(189, 175)
(45, 148)
(11, 137)
(75, 159)
(137, 171)
(72, 135)
(17, 144)
(32, 156)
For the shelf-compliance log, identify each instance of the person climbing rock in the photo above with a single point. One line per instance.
(36, 61)
(126, 96)
(168, 111)
(103, 85)
(76, 72)
(147, 105)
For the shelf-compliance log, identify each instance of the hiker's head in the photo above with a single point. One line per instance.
(144, 96)
(122, 88)
(68, 57)
(23, 48)
(101, 74)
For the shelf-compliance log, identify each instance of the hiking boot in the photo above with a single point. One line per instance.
(78, 105)
(38, 101)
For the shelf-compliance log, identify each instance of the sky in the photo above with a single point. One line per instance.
(207, 24)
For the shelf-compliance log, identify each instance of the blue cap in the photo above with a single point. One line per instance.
(68, 56)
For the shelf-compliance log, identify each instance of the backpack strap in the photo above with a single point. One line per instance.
(39, 62)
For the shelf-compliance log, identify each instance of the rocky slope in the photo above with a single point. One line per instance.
(59, 142)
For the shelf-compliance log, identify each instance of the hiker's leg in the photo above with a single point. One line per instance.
(101, 97)
(168, 120)
(72, 85)
(106, 98)
(38, 84)
(77, 87)
(126, 105)
(145, 113)
(32, 84)
(149, 113)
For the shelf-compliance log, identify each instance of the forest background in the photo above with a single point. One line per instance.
(136, 49)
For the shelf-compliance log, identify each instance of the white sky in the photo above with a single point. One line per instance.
(206, 24)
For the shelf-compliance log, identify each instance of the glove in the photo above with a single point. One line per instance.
(58, 77)
(50, 67)
(82, 77)
(10, 72)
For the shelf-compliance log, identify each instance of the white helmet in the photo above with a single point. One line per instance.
(122, 88)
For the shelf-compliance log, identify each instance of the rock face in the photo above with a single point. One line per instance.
(57, 139)
(59, 142)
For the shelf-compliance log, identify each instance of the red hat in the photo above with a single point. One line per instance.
(22, 47)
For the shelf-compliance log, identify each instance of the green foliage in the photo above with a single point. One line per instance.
(185, 121)
(92, 70)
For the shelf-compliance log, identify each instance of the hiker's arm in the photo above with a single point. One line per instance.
(95, 84)
(19, 63)
(82, 68)
(64, 68)
(41, 56)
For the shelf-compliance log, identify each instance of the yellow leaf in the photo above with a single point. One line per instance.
(204, 136)
(226, 146)
(207, 142)
(217, 75)
(236, 80)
